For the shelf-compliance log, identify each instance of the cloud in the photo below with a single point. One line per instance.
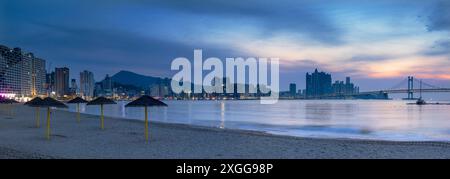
(368, 58)
(440, 47)
(106, 50)
(301, 18)
(439, 18)
(345, 37)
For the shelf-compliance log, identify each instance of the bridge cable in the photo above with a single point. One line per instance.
(426, 84)
(399, 85)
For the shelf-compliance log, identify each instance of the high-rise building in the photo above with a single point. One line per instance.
(107, 84)
(26, 75)
(349, 86)
(21, 74)
(73, 87)
(87, 84)
(339, 87)
(104, 87)
(292, 89)
(50, 82)
(10, 71)
(73, 83)
(154, 91)
(62, 81)
(98, 89)
(38, 71)
(318, 83)
(159, 90)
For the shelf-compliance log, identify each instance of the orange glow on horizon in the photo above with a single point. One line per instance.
(399, 75)
(434, 76)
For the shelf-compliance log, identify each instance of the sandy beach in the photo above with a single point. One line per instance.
(124, 138)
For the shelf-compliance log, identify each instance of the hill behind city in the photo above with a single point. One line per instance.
(134, 79)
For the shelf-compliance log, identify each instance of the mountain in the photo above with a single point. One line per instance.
(138, 80)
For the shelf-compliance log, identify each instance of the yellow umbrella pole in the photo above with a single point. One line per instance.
(38, 117)
(78, 112)
(101, 117)
(48, 123)
(146, 124)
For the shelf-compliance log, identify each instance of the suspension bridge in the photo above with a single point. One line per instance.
(409, 86)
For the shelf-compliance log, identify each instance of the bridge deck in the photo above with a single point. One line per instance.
(437, 90)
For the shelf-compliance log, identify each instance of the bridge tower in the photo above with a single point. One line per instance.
(410, 87)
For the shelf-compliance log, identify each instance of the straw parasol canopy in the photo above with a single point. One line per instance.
(48, 102)
(36, 100)
(77, 101)
(13, 101)
(101, 101)
(146, 101)
(7, 101)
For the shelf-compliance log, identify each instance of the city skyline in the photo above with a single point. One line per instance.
(375, 43)
(33, 79)
(223, 79)
(21, 72)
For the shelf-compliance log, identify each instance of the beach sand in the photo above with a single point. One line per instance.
(124, 138)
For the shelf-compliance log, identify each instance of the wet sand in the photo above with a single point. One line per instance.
(124, 138)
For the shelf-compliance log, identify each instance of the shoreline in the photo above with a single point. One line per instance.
(267, 134)
(123, 138)
(333, 136)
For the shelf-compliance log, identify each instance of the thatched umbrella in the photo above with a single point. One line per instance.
(5, 101)
(101, 101)
(9, 102)
(48, 102)
(145, 101)
(77, 101)
(36, 100)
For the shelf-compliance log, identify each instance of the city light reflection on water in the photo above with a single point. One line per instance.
(363, 119)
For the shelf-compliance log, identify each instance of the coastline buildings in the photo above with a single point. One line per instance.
(341, 88)
(62, 81)
(73, 87)
(107, 85)
(160, 90)
(293, 90)
(50, 83)
(38, 76)
(318, 84)
(98, 89)
(87, 84)
(21, 74)
(104, 87)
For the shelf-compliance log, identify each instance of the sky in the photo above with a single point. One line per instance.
(376, 43)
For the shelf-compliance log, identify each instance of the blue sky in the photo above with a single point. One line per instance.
(376, 43)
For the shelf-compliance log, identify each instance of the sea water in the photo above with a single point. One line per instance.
(356, 119)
